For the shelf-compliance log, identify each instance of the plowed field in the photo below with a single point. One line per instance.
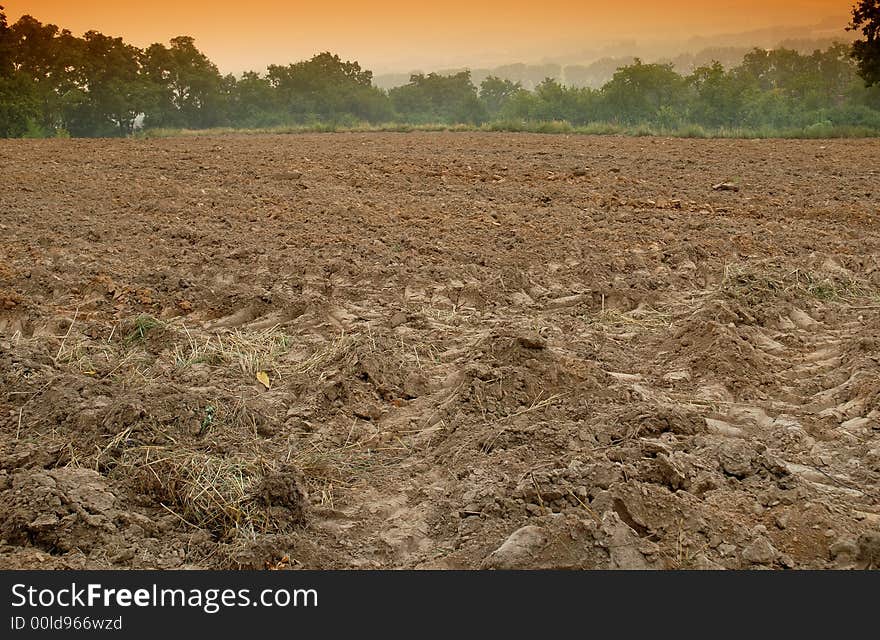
(439, 351)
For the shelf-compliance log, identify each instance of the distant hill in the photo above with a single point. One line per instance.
(594, 67)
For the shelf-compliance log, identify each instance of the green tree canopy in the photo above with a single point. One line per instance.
(111, 91)
(866, 51)
(325, 87)
(185, 85)
(5, 46)
(439, 98)
(97, 85)
(718, 95)
(638, 92)
(496, 93)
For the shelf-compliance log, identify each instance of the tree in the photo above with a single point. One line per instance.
(112, 91)
(5, 47)
(253, 102)
(40, 61)
(718, 96)
(186, 85)
(33, 49)
(495, 92)
(553, 101)
(642, 92)
(834, 72)
(326, 87)
(19, 105)
(439, 98)
(866, 18)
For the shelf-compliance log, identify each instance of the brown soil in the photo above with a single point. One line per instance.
(481, 350)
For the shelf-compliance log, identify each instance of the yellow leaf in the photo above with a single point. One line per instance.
(263, 378)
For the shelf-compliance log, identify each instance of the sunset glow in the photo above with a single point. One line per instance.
(400, 36)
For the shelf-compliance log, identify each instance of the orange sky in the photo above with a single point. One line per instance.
(402, 36)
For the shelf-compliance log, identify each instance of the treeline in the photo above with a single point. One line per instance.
(602, 68)
(769, 89)
(54, 83)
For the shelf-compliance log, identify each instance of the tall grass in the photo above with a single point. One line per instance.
(554, 127)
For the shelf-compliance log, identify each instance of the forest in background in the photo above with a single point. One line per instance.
(53, 83)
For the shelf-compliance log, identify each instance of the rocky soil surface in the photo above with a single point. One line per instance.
(439, 350)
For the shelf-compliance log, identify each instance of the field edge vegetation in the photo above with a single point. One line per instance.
(55, 84)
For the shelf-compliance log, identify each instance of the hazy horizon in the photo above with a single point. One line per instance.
(395, 37)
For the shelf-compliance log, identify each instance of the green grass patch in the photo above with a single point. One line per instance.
(142, 325)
